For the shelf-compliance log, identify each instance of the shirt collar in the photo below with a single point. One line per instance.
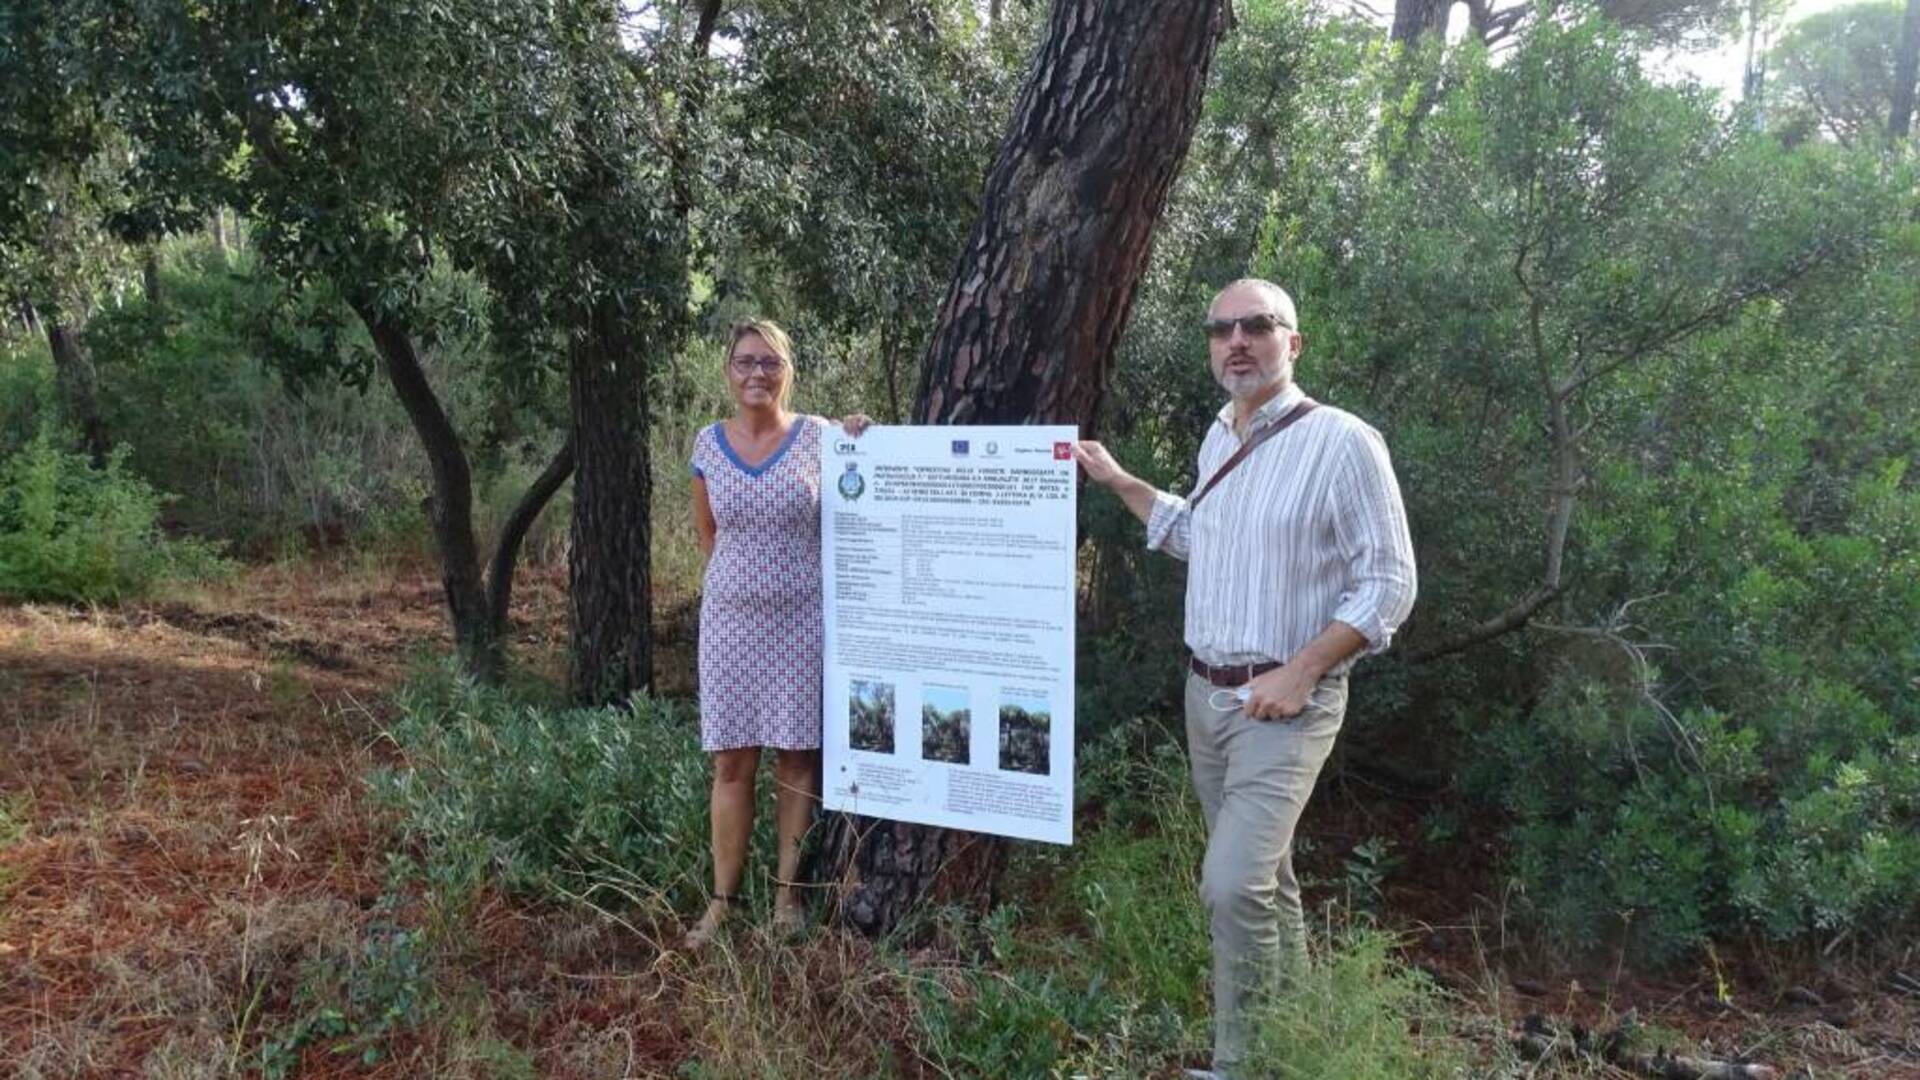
(1275, 408)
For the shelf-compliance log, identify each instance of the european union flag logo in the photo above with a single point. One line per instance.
(959, 448)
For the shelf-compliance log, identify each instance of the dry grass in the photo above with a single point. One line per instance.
(187, 869)
(185, 860)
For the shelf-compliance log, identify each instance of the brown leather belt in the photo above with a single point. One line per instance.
(1232, 676)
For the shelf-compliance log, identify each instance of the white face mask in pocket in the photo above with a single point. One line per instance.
(1233, 699)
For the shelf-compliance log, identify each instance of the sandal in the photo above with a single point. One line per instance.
(719, 908)
(789, 917)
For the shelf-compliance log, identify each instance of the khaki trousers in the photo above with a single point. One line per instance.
(1253, 778)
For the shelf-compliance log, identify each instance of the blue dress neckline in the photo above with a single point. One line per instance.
(720, 436)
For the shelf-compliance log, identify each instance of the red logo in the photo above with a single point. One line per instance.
(1062, 451)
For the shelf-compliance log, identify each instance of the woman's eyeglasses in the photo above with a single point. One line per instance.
(1253, 325)
(747, 365)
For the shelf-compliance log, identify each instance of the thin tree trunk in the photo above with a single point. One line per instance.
(79, 387)
(506, 550)
(890, 363)
(220, 241)
(609, 571)
(150, 277)
(1036, 305)
(1906, 72)
(450, 508)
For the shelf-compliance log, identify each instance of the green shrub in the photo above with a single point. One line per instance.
(263, 409)
(69, 531)
(1108, 975)
(1771, 783)
(611, 803)
(26, 390)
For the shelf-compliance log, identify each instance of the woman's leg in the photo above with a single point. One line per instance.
(797, 778)
(731, 810)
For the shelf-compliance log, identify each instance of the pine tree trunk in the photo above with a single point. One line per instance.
(609, 572)
(1036, 306)
(1906, 73)
(79, 387)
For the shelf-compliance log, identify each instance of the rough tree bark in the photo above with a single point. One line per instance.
(1034, 310)
(609, 572)
(1906, 71)
(79, 387)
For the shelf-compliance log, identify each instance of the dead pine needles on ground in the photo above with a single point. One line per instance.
(194, 883)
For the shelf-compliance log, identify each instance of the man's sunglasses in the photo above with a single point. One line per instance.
(1253, 325)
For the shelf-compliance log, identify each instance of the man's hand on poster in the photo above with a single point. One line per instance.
(855, 423)
(1281, 694)
(1100, 466)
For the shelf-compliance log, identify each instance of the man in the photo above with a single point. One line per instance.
(1299, 563)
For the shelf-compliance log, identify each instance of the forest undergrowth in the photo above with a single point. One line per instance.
(252, 828)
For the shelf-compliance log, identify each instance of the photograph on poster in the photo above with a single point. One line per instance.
(870, 716)
(946, 725)
(1026, 737)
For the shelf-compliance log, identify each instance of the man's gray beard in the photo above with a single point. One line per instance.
(1250, 385)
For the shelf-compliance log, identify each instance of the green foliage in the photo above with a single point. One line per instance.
(69, 531)
(352, 1009)
(1113, 979)
(26, 391)
(1766, 773)
(218, 395)
(609, 804)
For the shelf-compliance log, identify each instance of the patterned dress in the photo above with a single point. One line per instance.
(760, 623)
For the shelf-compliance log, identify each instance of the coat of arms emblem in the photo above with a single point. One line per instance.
(852, 485)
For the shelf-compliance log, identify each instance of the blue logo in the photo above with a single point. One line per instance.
(959, 448)
(852, 485)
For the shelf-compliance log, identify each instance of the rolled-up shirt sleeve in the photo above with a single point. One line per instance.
(1370, 526)
(1170, 525)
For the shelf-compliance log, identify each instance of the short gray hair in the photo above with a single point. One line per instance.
(1276, 296)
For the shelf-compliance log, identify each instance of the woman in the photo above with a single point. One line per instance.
(756, 503)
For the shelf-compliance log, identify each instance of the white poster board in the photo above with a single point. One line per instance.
(948, 572)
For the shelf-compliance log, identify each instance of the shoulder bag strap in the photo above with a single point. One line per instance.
(1306, 406)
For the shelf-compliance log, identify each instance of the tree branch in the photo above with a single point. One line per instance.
(1653, 343)
(1511, 619)
(506, 550)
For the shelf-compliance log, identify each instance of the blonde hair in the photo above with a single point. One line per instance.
(776, 339)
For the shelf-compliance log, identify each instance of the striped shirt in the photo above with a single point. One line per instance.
(1308, 529)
